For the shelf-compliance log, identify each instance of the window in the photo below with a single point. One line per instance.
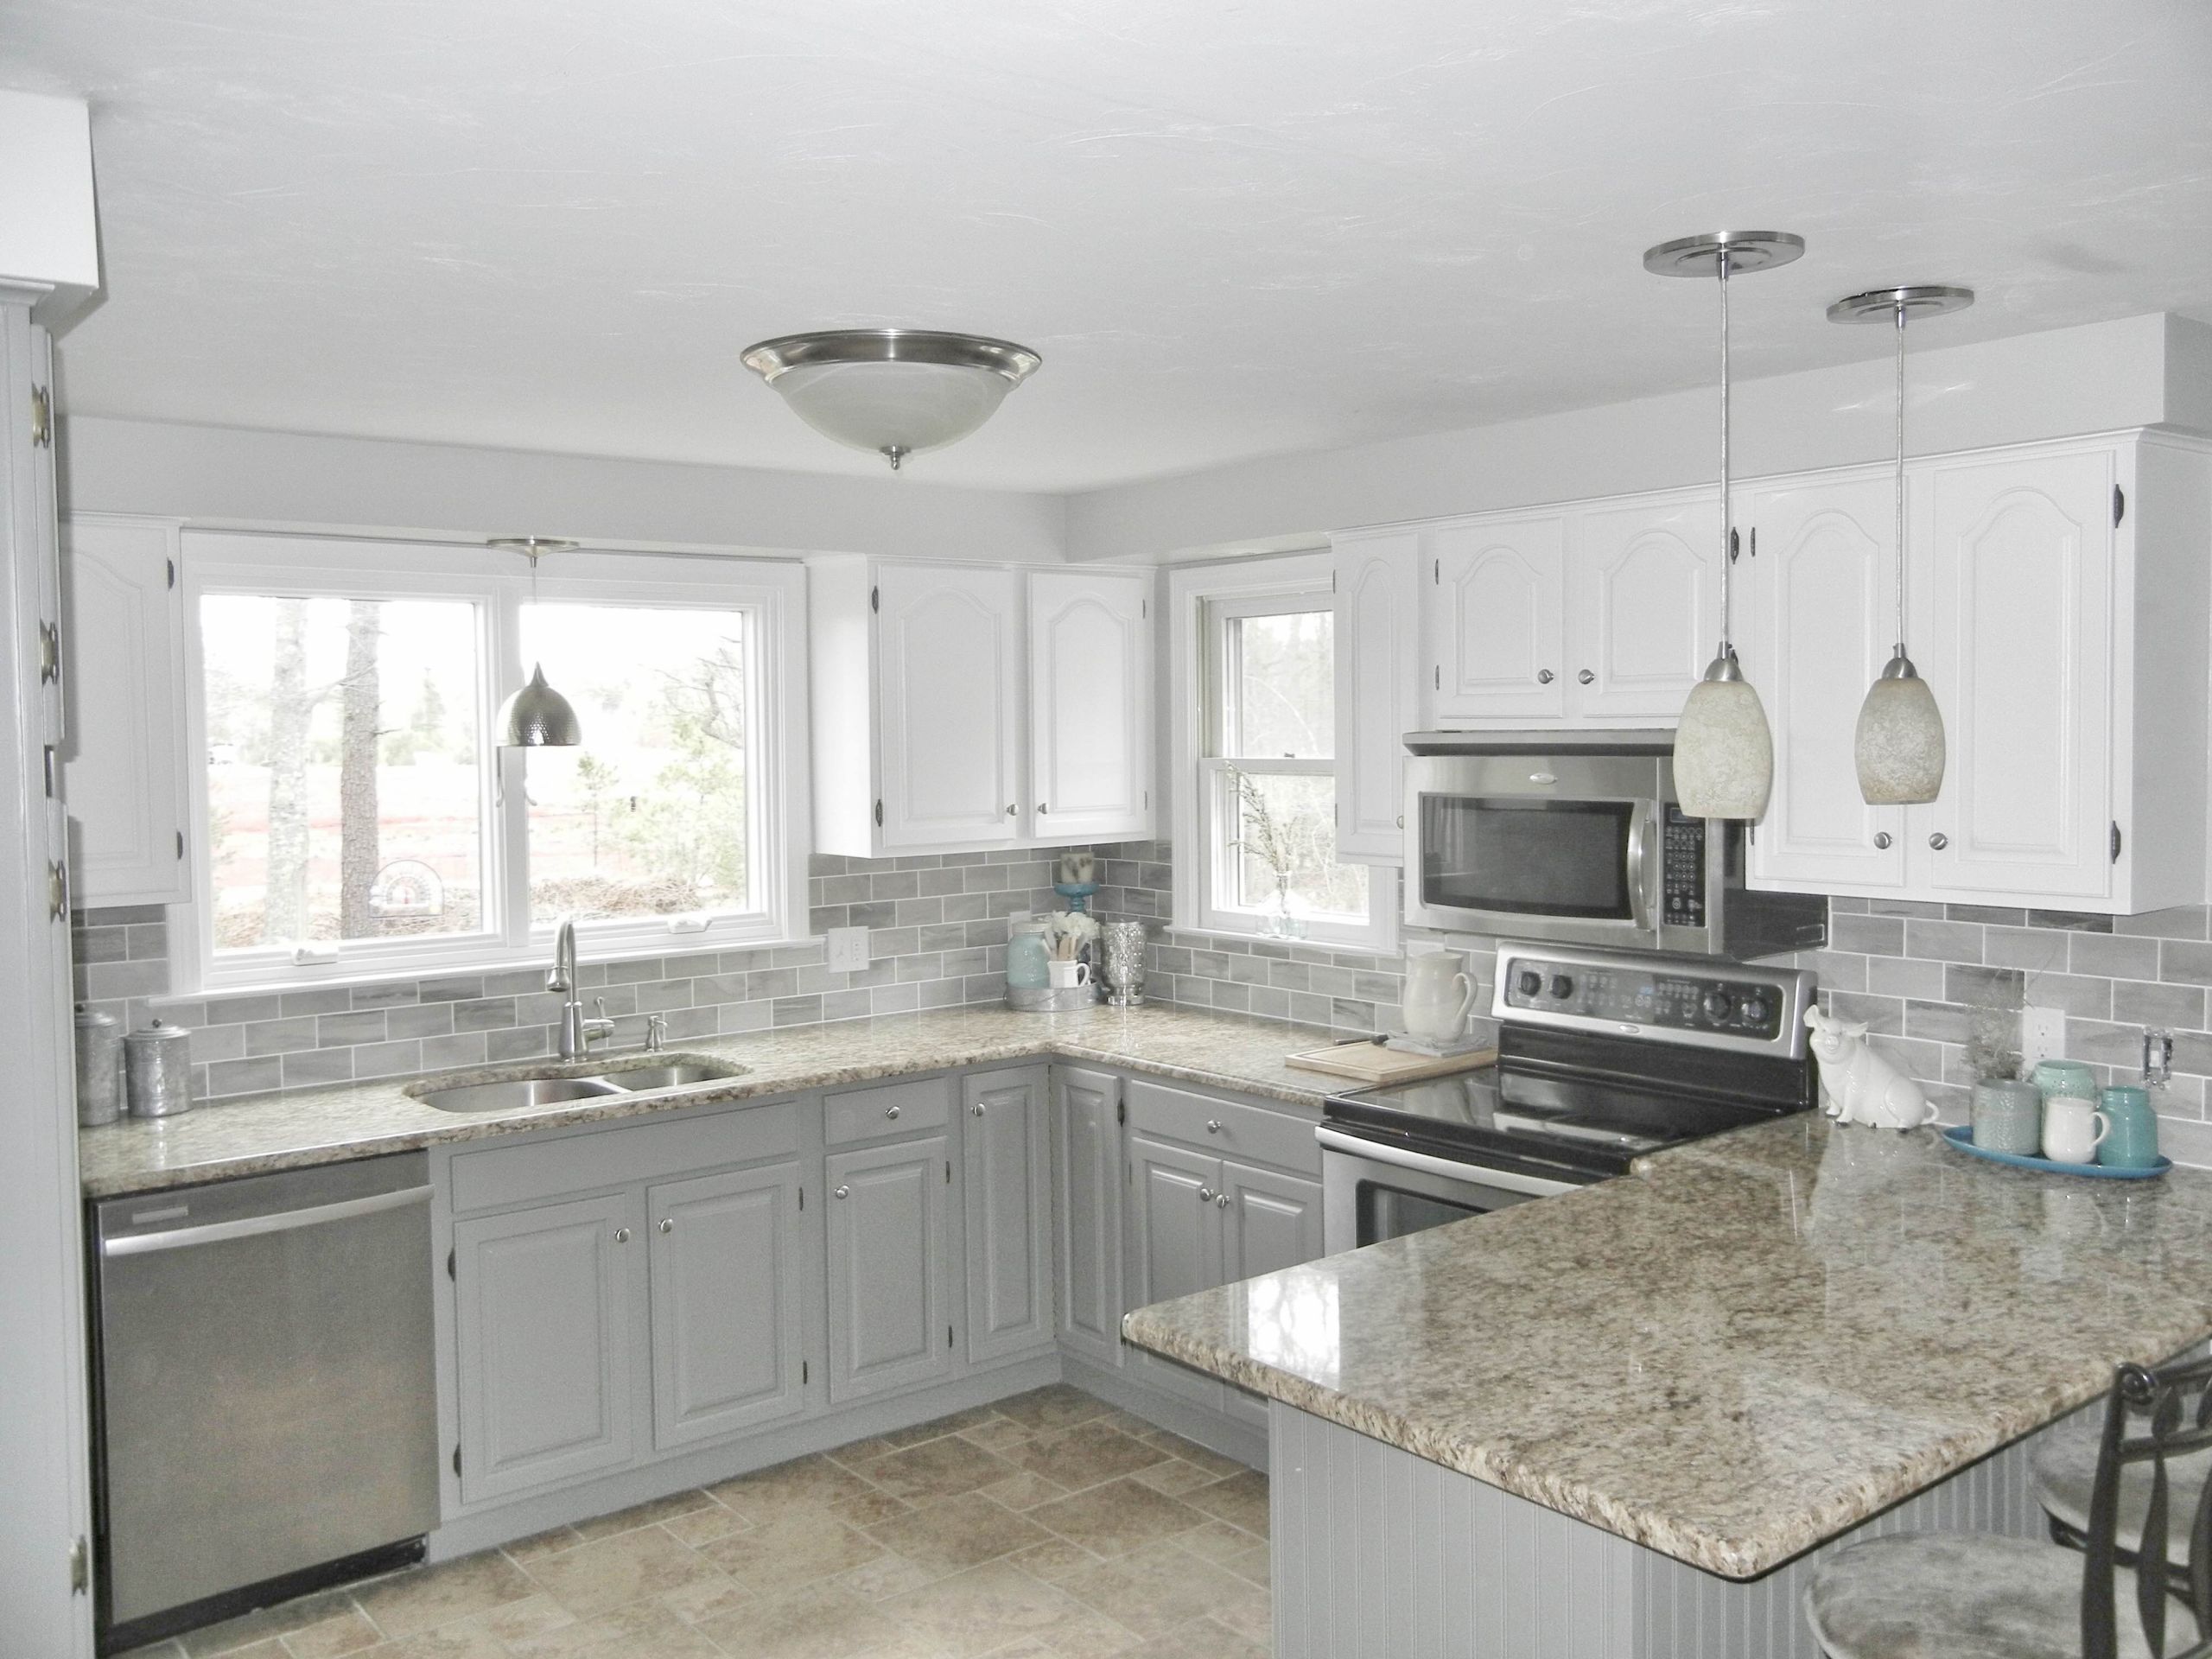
(357, 817)
(1255, 692)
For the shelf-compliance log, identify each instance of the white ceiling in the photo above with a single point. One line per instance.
(1231, 228)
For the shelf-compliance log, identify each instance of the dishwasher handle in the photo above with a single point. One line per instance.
(282, 1221)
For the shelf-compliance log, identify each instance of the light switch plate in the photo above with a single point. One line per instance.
(2043, 1035)
(848, 949)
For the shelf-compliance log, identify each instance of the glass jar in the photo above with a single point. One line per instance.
(1026, 957)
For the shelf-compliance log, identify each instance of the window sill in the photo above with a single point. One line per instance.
(1253, 936)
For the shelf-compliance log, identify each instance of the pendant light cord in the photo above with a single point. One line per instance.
(1727, 526)
(1900, 490)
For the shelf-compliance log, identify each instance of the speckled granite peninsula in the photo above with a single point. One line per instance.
(321, 1126)
(1745, 1347)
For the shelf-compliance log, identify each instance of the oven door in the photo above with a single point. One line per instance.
(1370, 1193)
(1536, 847)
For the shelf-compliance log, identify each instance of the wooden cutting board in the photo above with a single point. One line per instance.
(1375, 1064)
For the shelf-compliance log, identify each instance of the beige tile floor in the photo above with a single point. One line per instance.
(1049, 1526)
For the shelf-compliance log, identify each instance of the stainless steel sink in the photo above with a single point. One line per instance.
(678, 1074)
(517, 1093)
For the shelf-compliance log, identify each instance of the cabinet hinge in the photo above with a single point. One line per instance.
(456, 1458)
(1439, 676)
(172, 563)
(2115, 841)
(1121, 1111)
(2118, 505)
(450, 1271)
(948, 1172)
(41, 418)
(879, 815)
(948, 1336)
(179, 843)
(875, 599)
(52, 767)
(80, 1566)
(804, 1374)
(1144, 608)
(801, 1200)
(1437, 574)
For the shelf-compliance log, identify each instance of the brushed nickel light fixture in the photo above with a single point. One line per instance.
(896, 391)
(1724, 752)
(1899, 745)
(537, 717)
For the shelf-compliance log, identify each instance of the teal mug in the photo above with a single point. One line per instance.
(2134, 1141)
(2008, 1117)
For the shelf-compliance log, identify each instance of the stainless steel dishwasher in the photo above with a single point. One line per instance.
(267, 1411)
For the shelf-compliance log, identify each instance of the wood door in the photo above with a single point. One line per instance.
(1378, 690)
(544, 1303)
(948, 705)
(122, 772)
(1818, 620)
(1495, 643)
(890, 1325)
(1177, 1228)
(2019, 655)
(1272, 1221)
(726, 1257)
(1005, 1144)
(1091, 704)
(1087, 1254)
(1645, 611)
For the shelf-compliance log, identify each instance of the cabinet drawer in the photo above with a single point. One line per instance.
(616, 1156)
(895, 1108)
(1225, 1127)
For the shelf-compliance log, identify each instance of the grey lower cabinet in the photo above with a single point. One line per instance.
(724, 1256)
(545, 1303)
(1007, 1146)
(1087, 1209)
(890, 1324)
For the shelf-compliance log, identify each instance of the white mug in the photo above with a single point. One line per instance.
(1066, 976)
(2072, 1130)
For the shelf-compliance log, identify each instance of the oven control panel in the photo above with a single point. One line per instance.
(1644, 994)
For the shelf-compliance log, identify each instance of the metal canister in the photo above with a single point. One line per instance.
(157, 1059)
(99, 1067)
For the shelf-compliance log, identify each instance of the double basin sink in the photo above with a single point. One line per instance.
(524, 1091)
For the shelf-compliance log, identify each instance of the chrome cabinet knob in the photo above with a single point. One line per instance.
(890, 1111)
(1586, 677)
(667, 1224)
(621, 1235)
(1042, 808)
(1011, 813)
(976, 1110)
(1939, 841)
(1205, 1195)
(1213, 1125)
(1221, 1199)
(1543, 676)
(842, 1192)
(1882, 840)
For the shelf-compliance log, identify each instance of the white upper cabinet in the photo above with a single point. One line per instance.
(1495, 626)
(1644, 607)
(1816, 622)
(1378, 689)
(959, 708)
(1090, 703)
(123, 771)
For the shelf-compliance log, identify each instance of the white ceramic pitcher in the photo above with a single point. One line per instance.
(1440, 995)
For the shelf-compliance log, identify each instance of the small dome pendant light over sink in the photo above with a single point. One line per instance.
(1898, 746)
(537, 717)
(896, 391)
(1724, 751)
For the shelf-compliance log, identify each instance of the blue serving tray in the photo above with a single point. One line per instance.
(1962, 1137)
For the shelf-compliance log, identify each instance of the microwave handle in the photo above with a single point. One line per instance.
(1639, 856)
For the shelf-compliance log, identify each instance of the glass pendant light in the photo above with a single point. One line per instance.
(1898, 746)
(1724, 753)
(537, 717)
(896, 392)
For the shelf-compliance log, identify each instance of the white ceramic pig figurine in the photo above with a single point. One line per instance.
(1857, 1084)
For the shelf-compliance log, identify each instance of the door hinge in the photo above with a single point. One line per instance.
(456, 1458)
(41, 418)
(875, 599)
(879, 815)
(451, 1272)
(2118, 505)
(2115, 841)
(80, 1566)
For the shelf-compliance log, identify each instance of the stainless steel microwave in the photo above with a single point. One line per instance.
(1577, 836)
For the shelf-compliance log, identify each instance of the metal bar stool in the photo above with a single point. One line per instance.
(1935, 1595)
(2064, 1469)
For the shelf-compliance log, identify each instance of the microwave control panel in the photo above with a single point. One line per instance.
(1681, 897)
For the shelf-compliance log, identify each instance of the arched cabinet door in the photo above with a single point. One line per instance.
(948, 705)
(1495, 586)
(1644, 615)
(1091, 704)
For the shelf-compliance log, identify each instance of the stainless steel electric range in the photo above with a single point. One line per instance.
(1602, 1056)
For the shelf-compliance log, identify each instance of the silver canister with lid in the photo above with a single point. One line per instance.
(157, 1059)
(99, 1067)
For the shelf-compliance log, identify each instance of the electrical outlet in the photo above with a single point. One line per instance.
(848, 949)
(2043, 1035)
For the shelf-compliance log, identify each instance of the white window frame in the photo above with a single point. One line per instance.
(1200, 785)
(774, 593)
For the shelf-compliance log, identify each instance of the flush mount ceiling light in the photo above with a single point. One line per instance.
(1900, 742)
(896, 392)
(1724, 753)
(537, 717)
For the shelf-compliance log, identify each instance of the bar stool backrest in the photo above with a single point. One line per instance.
(2173, 1405)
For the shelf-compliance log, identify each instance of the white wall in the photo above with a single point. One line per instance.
(2135, 372)
(224, 476)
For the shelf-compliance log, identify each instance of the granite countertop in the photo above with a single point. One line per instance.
(1742, 1349)
(320, 1126)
